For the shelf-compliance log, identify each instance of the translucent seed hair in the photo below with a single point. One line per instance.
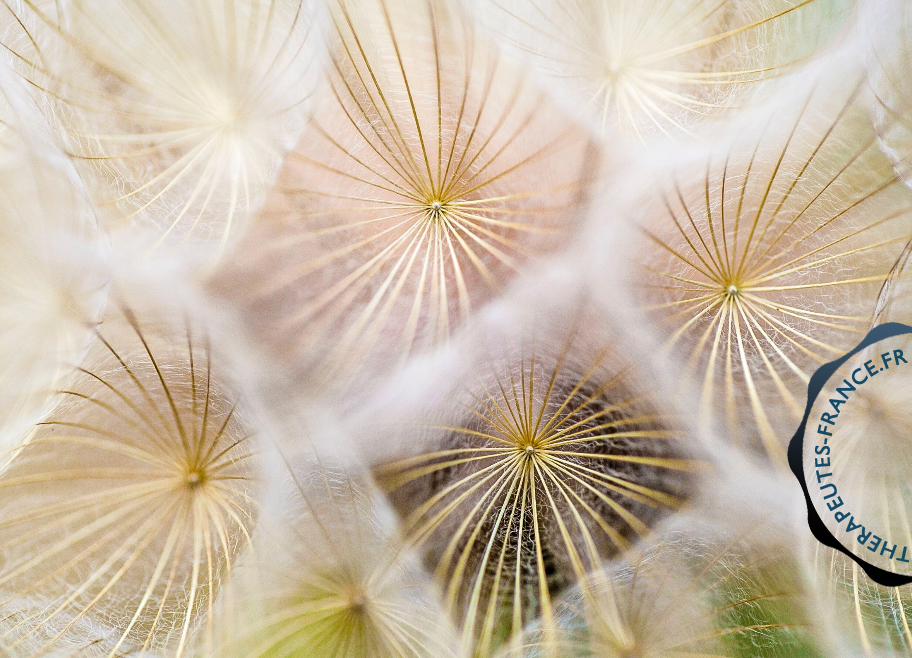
(132, 501)
(180, 126)
(433, 172)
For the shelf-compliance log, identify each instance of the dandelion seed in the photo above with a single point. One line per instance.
(661, 66)
(558, 464)
(177, 111)
(330, 580)
(696, 591)
(130, 503)
(772, 264)
(432, 172)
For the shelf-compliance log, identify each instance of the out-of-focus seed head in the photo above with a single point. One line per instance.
(177, 111)
(662, 66)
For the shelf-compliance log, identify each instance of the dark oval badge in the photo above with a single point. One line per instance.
(852, 454)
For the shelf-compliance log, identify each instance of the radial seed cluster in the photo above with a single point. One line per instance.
(448, 329)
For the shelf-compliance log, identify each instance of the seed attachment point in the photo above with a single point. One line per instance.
(194, 479)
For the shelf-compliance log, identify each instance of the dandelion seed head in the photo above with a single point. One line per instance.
(178, 126)
(425, 184)
(695, 588)
(556, 466)
(771, 260)
(660, 67)
(329, 579)
(132, 500)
